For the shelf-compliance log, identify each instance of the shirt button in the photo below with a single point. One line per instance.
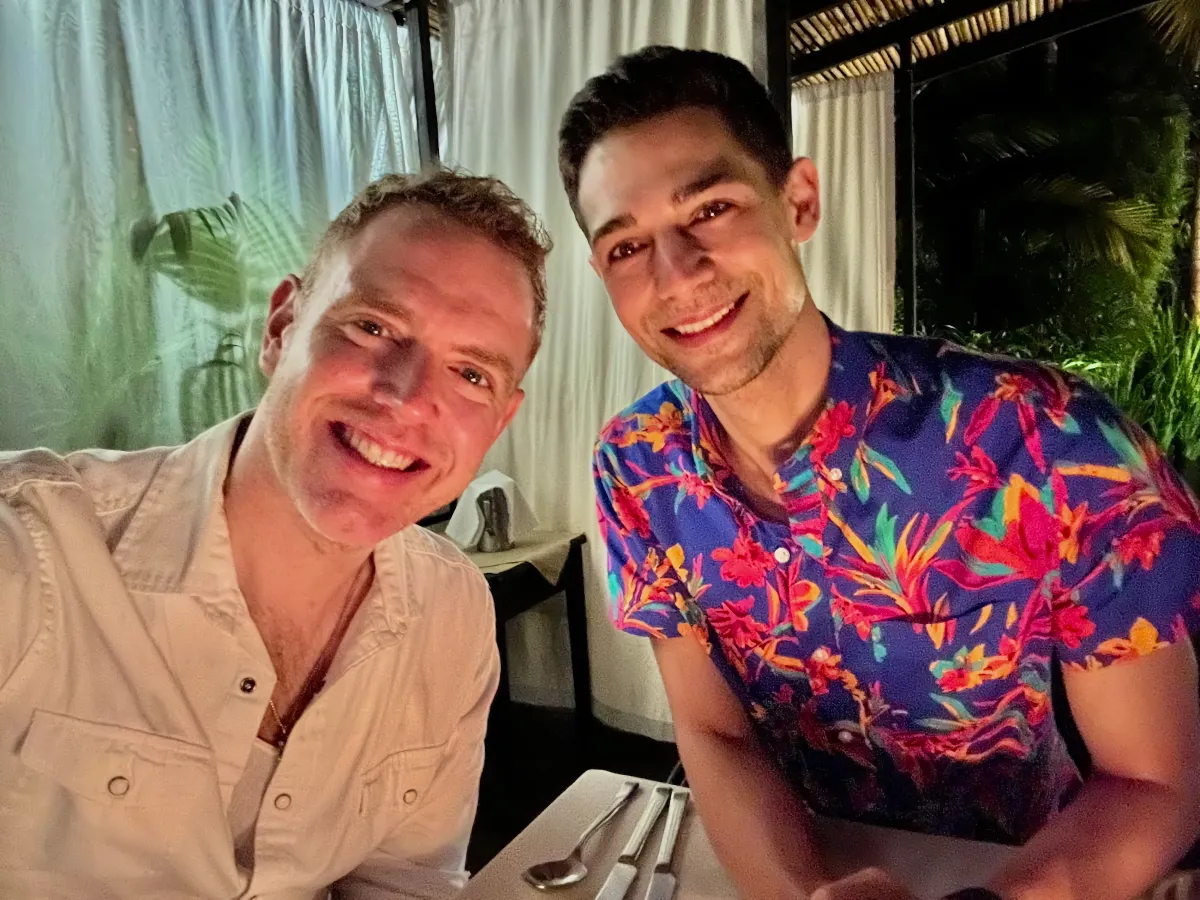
(248, 685)
(118, 786)
(835, 474)
(283, 801)
(410, 796)
(782, 555)
(845, 737)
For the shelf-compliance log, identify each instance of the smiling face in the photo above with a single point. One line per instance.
(695, 245)
(393, 372)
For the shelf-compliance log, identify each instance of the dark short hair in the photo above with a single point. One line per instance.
(485, 206)
(658, 80)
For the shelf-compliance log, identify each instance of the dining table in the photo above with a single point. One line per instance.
(929, 865)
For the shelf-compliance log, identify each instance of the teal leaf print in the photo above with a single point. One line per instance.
(885, 535)
(1125, 449)
(955, 707)
(860, 479)
(614, 595)
(877, 646)
(1069, 425)
(939, 725)
(888, 468)
(951, 404)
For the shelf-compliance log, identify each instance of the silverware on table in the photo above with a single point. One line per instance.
(561, 872)
(625, 870)
(662, 882)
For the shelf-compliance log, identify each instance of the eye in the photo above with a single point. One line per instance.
(712, 210)
(371, 327)
(474, 376)
(623, 250)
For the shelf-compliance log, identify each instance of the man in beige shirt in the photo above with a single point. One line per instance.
(236, 668)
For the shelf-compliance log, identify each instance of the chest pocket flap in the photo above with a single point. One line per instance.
(401, 780)
(117, 765)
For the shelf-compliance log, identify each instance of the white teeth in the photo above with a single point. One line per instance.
(697, 327)
(376, 455)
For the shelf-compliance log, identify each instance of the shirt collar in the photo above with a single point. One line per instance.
(849, 393)
(858, 382)
(177, 541)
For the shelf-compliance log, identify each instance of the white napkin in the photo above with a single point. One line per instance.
(466, 525)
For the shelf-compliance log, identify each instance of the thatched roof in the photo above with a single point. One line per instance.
(858, 37)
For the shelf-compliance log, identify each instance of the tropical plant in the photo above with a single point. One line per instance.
(225, 258)
(1178, 21)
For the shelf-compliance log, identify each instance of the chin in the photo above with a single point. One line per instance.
(352, 522)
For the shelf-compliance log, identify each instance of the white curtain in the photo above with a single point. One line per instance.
(515, 64)
(846, 127)
(113, 112)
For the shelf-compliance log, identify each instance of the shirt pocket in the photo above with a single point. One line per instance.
(115, 765)
(399, 783)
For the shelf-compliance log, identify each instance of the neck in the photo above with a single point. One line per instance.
(283, 566)
(768, 418)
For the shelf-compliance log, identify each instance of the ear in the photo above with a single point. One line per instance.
(281, 315)
(514, 404)
(802, 199)
(595, 264)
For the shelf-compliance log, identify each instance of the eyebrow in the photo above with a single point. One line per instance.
(719, 172)
(614, 224)
(365, 295)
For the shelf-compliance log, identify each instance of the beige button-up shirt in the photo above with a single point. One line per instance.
(133, 682)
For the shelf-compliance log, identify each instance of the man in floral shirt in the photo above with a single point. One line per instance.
(864, 558)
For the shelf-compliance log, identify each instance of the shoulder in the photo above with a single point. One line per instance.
(110, 479)
(437, 567)
(664, 418)
(667, 406)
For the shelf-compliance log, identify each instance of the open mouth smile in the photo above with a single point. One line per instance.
(710, 325)
(372, 452)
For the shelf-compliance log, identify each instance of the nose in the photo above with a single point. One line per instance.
(680, 261)
(402, 382)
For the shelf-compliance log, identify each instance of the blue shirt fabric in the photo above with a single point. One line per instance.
(956, 522)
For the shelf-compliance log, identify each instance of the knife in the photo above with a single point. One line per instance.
(662, 882)
(625, 870)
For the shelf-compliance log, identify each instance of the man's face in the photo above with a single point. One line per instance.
(393, 373)
(696, 245)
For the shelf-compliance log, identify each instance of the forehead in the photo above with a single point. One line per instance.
(421, 259)
(650, 161)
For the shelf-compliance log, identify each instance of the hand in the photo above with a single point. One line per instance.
(867, 884)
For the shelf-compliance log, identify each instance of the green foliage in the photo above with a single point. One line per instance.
(1056, 193)
(226, 258)
(1050, 186)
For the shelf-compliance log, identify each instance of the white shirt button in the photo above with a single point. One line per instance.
(118, 786)
(845, 737)
(782, 555)
(410, 796)
(835, 474)
(283, 801)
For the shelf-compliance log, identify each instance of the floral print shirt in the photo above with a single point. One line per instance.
(957, 526)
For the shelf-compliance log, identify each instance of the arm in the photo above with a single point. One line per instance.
(426, 856)
(759, 829)
(1138, 812)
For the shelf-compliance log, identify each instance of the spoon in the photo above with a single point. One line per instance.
(560, 872)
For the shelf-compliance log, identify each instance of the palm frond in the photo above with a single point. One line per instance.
(1178, 21)
(1124, 231)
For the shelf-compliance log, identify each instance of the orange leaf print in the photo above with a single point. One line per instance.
(1142, 640)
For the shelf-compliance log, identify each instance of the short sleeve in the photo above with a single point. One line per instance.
(646, 593)
(1140, 588)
